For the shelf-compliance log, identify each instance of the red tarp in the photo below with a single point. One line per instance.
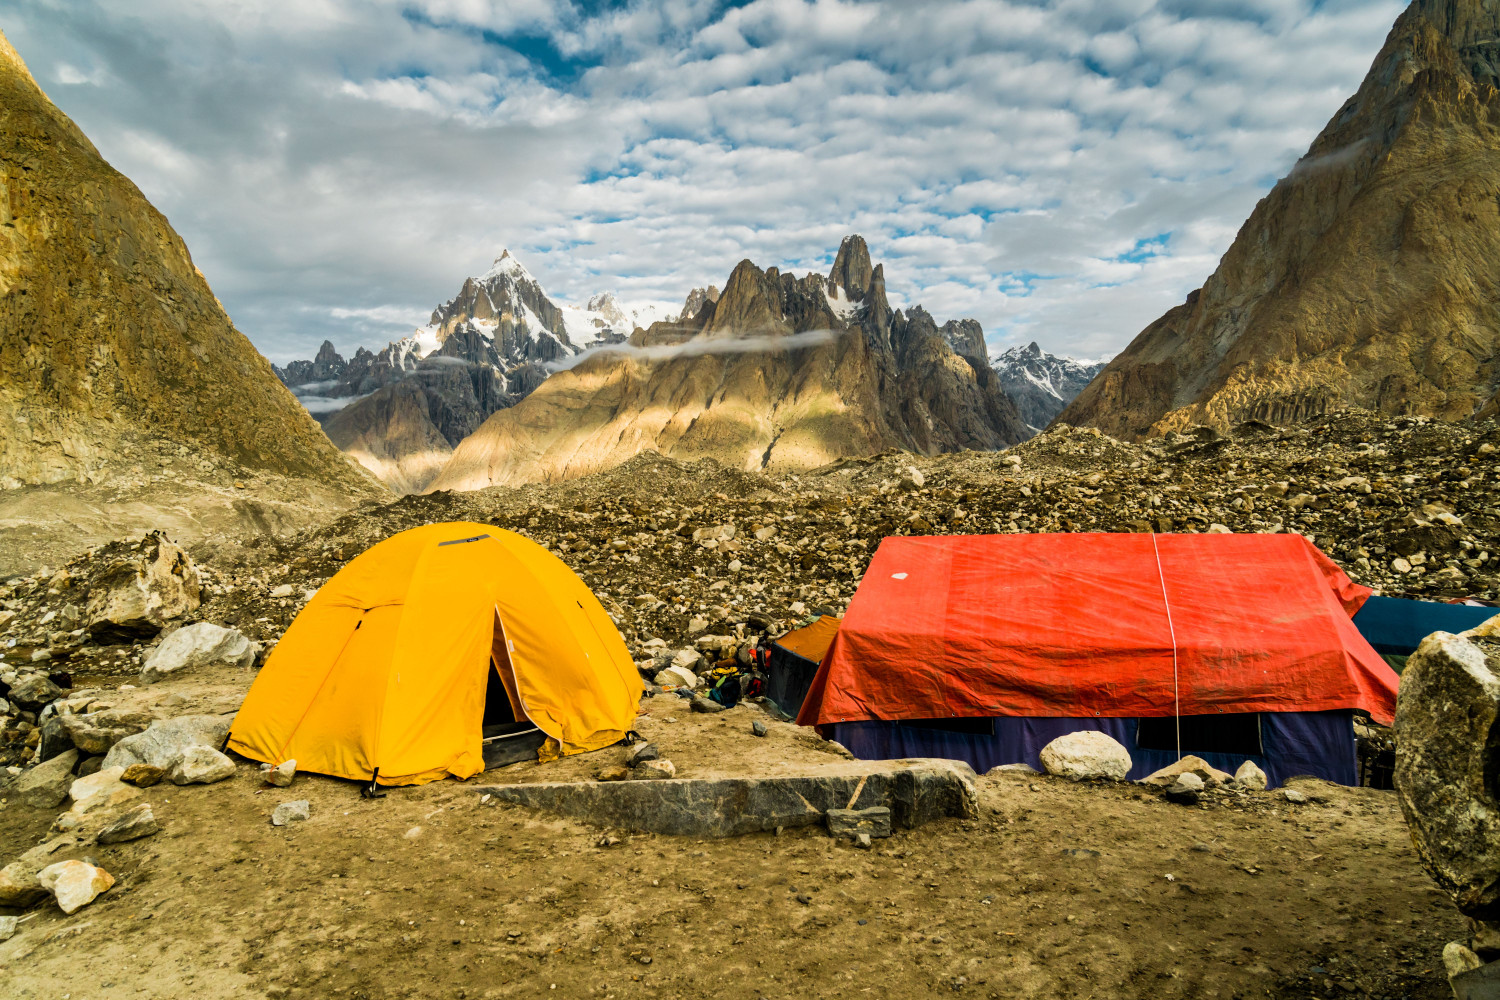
(1076, 625)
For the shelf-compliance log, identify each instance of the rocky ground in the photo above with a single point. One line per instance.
(679, 554)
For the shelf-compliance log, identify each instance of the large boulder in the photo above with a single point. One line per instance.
(34, 691)
(19, 885)
(97, 733)
(200, 645)
(1086, 754)
(200, 765)
(139, 587)
(163, 744)
(46, 785)
(1447, 755)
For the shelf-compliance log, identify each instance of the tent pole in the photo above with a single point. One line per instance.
(1176, 699)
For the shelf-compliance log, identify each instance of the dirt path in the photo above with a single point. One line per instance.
(1056, 890)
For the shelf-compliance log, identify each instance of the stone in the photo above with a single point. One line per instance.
(103, 781)
(34, 692)
(8, 927)
(142, 775)
(916, 792)
(1020, 767)
(296, 811)
(166, 739)
(1206, 773)
(19, 886)
(686, 659)
(46, 785)
(55, 738)
(759, 728)
(614, 772)
(675, 676)
(138, 822)
(851, 824)
(1447, 715)
(1086, 754)
(648, 770)
(74, 884)
(140, 587)
(1293, 796)
(197, 646)
(1458, 959)
(640, 753)
(1185, 788)
(697, 624)
(282, 774)
(97, 733)
(284, 590)
(200, 765)
(1249, 776)
(702, 704)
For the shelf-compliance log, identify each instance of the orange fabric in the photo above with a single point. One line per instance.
(1076, 625)
(811, 642)
(386, 667)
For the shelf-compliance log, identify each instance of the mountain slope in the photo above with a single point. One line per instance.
(1366, 277)
(1041, 384)
(773, 372)
(109, 337)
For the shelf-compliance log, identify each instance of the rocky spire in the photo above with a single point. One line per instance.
(851, 268)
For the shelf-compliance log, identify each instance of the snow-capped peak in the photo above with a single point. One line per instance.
(506, 265)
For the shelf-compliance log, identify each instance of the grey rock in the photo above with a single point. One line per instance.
(8, 927)
(640, 753)
(197, 646)
(282, 774)
(166, 739)
(850, 824)
(34, 692)
(295, 811)
(1293, 796)
(915, 791)
(55, 738)
(1185, 789)
(702, 704)
(138, 822)
(1458, 959)
(1249, 776)
(1447, 753)
(1482, 983)
(759, 728)
(99, 732)
(1086, 754)
(140, 586)
(200, 765)
(46, 785)
(1018, 768)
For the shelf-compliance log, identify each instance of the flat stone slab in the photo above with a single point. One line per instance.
(915, 792)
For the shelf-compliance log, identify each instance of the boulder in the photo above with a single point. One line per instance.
(139, 587)
(99, 732)
(295, 811)
(138, 822)
(648, 770)
(1249, 776)
(34, 691)
(640, 753)
(1206, 773)
(19, 886)
(1185, 788)
(1447, 735)
(166, 739)
(702, 704)
(675, 676)
(200, 765)
(1086, 754)
(74, 884)
(46, 785)
(851, 823)
(282, 774)
(55, 738)
(915, 791)
(197, 646)
(104, 781)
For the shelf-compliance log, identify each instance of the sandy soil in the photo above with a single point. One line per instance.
(1056, 890)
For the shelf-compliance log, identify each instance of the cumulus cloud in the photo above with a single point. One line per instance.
(1060, 170)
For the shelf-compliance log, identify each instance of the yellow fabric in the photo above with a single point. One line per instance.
(386, 666)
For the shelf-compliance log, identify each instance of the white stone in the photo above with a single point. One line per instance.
(296, 811)
(8, 927)
(1086, 754)
(285, 590)
(104, 782)
(74, 884)
(282, 774)
(686, 659)
(1458, 958)
(675, 676)
(200, 645)
(201, 765)
(166, 739)
(1249, 775)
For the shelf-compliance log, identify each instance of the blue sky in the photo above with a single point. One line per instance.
(1062, 171)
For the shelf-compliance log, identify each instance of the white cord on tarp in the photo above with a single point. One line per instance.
(1176, 702)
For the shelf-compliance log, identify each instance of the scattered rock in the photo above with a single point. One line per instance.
(166, 739)
(19, 886)
(614, 772)
(200, 765)
(142, 775)
(34, 691)
(197, 646)
(850, 824)
(140, 586)
(1185, 788)
(759, 728)
(284, 590)
(74, 884)
(1250, 777)
(1447, 755)
(675, 676)
(1293, 796)
(652, 769)
(46, 785)
(1086, 754)
(702, 704)
(640, 753)
(97, 733)
(106, 781)
(299, 810)
(282, 774)
(138, 822)
(1206, 773)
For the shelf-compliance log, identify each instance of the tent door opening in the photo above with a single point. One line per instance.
(508, 736)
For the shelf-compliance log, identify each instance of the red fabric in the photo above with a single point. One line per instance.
(1076, 625)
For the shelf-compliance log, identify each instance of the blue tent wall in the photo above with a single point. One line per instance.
(1397, 626)
(1293, 743)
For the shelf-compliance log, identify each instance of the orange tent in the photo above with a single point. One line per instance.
(384, 676)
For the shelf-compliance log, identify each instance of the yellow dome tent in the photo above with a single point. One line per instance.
(394, 669)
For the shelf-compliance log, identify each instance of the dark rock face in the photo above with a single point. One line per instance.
(1448, 764)
(1364, 278)
(1042, 384)
(915, 792)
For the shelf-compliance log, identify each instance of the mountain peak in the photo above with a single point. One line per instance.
(506, 265)
(852, 270)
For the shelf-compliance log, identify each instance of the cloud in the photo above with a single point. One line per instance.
(338, 166)
(698, 347)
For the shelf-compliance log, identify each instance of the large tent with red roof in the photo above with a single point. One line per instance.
(984, 648)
